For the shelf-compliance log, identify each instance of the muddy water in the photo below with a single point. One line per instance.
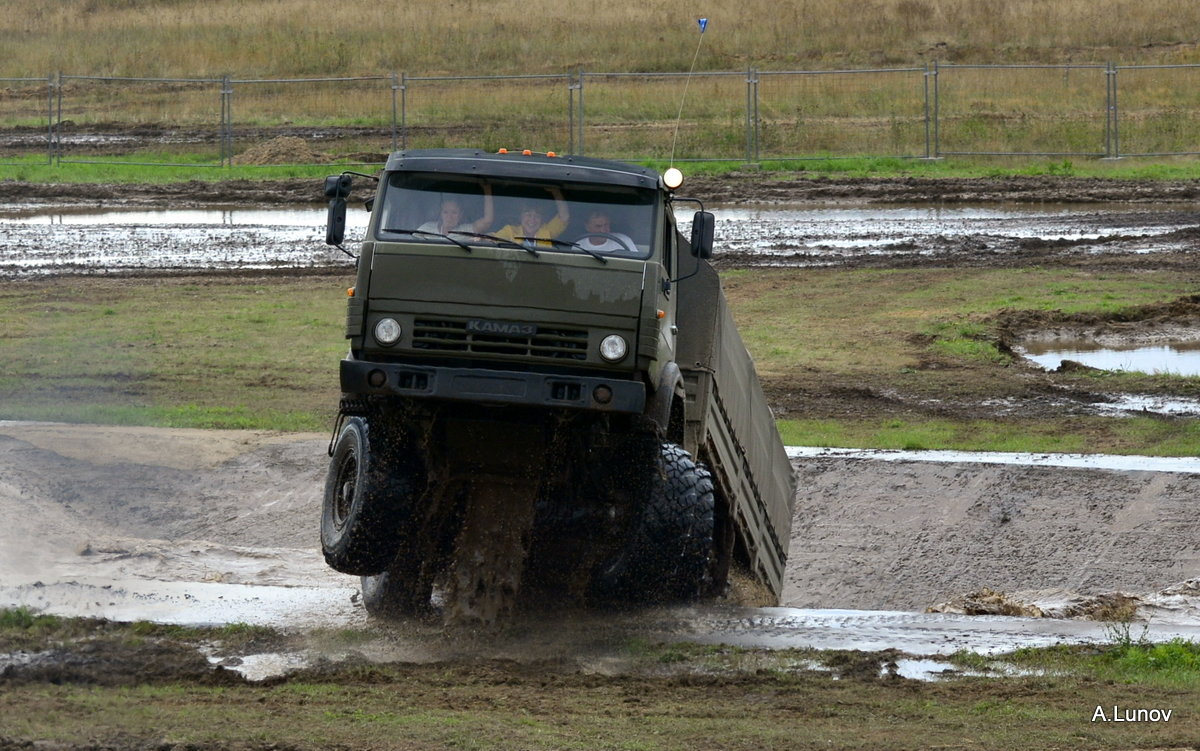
(42, 239)
(333, 607)
(832, 235)
(1180, 358)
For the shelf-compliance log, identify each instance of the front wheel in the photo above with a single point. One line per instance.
(363, 506)
(669, 554)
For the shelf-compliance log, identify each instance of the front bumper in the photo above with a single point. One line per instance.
(493, 386)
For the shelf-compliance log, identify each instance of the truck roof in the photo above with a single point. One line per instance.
(521, 165)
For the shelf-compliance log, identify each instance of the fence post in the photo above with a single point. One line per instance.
(1112, 130)
(574, 83)
(404, 110)
(50, 119)
(752, 151)
(757, 121)
(937, 111)
(395, 88)
(928, 122)
(56, 142)
(582, 114)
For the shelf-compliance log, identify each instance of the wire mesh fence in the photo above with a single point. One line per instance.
(1035, 110)
(487, 111)
(638, 115)
(149, 120)
(803, 114)
(1156, 110)
(25, 111)
(934, 111)
(354, 119)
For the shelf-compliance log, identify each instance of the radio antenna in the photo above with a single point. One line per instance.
(703, 22)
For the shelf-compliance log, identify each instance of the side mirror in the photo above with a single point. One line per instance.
(337, 188)
(335, 222)
(703, 224)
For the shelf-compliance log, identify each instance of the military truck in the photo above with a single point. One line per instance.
(545, 394)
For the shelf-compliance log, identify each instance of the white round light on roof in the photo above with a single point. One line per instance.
(673, 178)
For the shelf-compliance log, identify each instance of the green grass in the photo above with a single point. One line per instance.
(262, 353)
(208, 354)
(650, 696)
(1131, 435)
(1132, 661)
(120, 170)
(35, 169)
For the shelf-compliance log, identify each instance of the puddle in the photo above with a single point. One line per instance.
(1180, 358)
(43, 239)
(921, 669)
(1087, 461)
(192, 603)
(1140, 404)
(225, 216)
(825, 235)
(257, 667)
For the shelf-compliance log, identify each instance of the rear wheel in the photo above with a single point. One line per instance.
(367, 494)
(669, 554)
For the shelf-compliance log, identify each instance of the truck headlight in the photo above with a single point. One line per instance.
(613, 348)
(387, 331)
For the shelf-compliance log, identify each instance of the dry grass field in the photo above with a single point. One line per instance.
(257, 38)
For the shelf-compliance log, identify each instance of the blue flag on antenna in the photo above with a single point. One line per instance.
(703, 24)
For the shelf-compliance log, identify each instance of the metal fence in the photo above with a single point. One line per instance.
(25, 122)
(1097, 111)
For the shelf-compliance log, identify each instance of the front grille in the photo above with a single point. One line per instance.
(446, 335)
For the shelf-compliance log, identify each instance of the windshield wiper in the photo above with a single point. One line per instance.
(565, 244)
(504, 241)
(459, 243)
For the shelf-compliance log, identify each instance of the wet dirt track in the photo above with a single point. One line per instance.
(202, 527)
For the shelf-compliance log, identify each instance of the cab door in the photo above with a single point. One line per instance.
(668, 330)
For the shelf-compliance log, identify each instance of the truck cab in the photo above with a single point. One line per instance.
(482, 277)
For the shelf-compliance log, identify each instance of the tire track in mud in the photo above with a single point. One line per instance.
(231, 536)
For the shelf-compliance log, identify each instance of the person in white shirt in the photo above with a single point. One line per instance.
(600, 237)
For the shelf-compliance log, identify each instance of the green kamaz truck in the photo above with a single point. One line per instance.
(545, 394)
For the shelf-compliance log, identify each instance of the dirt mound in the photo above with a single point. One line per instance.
(987, 602)
(116, 663)
(1146, 324)
(282, 150)
(1109, 606)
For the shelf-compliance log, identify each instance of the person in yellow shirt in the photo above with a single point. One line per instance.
(533, 221)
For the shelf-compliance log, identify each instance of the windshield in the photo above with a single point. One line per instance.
(600, 220)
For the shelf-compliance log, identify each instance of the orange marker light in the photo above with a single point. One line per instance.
(350, 292)
(502, 151)
(551, 153)
(527, 152)
(662, 314)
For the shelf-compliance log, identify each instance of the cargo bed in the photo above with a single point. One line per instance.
(735, 435)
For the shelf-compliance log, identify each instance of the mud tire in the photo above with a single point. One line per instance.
(365, 500)
(397, 592)
(670, 552)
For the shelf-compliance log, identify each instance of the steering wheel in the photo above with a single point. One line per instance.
(607, 235)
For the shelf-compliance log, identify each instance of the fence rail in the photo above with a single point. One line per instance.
(940, 110)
